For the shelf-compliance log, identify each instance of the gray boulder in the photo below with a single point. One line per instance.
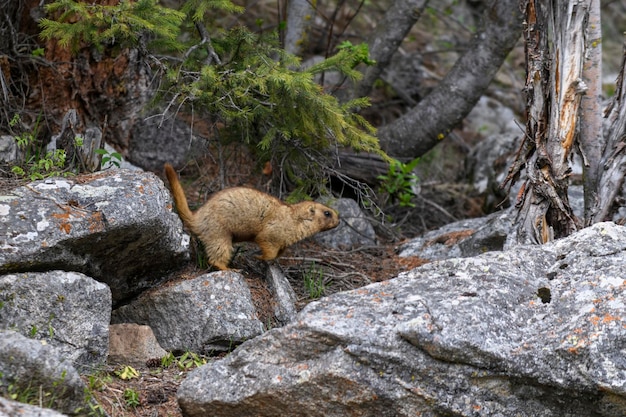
(353, 231)
(116, 226)
(464, 238)
(536, 331)
(284, 296)
(34, 372)
(211, 313)
(157, 138)
(8, 148)
(10, 408)
(64, 309)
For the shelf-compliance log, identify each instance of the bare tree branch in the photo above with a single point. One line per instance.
(385, 40)
(433, 118)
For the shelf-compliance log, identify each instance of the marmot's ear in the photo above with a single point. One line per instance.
(312, 209)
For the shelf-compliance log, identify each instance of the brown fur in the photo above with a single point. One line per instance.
(246, 215)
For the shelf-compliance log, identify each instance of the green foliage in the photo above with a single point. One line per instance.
(197, 9)
(82, 23)
(39, 395)
(127, 372)
(189, 360)
(186, 361)
(35, 162)
(314, 282)
(97, 381)
(131, 397)
(168, 360)
(262, 100)
(399, 180)
(236, 77)
(49, 165)
(115, 158)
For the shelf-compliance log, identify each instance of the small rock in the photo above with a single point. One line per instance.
(211, 313)
(133, 344)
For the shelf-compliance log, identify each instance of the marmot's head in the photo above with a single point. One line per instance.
(324, 217)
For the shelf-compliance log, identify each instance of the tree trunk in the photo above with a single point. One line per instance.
(420, 129)
(614, 157)
(555, 51)
(300, 15)
(591, 136)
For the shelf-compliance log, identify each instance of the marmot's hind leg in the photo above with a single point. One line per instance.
(219, 252)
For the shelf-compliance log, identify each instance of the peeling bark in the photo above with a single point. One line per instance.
(111, 85)
(614, 157)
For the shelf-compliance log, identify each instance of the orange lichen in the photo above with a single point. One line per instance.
(65, 227)
(609, 318)
(96, 223)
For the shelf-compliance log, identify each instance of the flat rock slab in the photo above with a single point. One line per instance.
(115, 226)
(537, 331)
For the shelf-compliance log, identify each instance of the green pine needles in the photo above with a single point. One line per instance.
(244, 80)
(78, 24)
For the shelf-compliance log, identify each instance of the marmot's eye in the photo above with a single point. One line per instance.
(327, 214)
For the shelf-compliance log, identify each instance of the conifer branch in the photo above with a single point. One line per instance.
(205, 40)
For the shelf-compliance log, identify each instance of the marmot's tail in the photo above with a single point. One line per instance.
(179, 196)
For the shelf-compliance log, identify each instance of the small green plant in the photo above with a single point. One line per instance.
(36, 163)
(399, 180)
(98, 381)
(114, 158)
(127, 372)
(168, 360)
(190, 360)
(186, 361)
(25, 395)
(131, 397)
(50, 328)
(314, 282)
(92, 409)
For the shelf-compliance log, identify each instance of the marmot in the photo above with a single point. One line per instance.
(242, 214)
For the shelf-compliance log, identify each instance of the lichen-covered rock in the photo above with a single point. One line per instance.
(211, 313)
(537, 331)
(65, 309)
(464, 238)
(116, 226)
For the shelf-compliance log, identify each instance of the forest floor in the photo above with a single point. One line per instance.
(152, 393)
